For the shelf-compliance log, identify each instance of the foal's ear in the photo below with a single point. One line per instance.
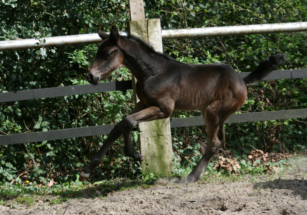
(114, 35)
(102, 35)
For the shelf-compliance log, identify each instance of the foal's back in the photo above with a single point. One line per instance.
(202, 84)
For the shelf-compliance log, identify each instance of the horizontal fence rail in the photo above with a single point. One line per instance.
(113, 86)
(244, 117)
(175, 123)
(51, 41)
(65, 91)
(166, 34)
(234, 30)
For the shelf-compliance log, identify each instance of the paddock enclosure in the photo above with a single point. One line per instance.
(137, 28)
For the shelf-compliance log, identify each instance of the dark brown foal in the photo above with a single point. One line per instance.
(163, 85)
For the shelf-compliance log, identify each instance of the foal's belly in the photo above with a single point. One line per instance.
(191, 103)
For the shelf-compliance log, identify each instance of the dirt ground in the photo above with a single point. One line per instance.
(284, 193)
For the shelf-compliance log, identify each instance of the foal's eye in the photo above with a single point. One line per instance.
(107, 55)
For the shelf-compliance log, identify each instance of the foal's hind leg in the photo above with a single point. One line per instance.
(214, 122)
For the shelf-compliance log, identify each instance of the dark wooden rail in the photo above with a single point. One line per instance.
(123, 85)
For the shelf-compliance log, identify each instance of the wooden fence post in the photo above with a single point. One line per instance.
(155, 136)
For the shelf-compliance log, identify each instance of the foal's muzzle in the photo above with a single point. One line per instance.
(92, 79)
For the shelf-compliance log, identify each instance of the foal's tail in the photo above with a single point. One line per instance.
(264, 68)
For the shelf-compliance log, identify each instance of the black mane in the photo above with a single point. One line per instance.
(166, 56)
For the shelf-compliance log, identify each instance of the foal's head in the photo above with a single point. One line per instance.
(108, 57)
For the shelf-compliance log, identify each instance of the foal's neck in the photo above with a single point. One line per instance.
(141, 59)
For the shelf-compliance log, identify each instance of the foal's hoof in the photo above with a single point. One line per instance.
(186, 180)
(167, 181)
(137, 157)
(181, 181)
(84, 176)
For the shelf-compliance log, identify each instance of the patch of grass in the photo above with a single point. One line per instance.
(212, 175)
(145, 186)
(25, 200)
(247, 169)
(57, 201)
(297, 167)
(252, 179)
(25, 194)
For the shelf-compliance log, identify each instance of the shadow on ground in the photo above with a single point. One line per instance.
(294, 179)
(103, 190)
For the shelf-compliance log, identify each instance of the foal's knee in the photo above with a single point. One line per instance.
(127, 124)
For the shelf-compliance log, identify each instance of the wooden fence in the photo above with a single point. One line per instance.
(125, 85)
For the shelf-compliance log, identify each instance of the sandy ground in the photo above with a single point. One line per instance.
(284, 193)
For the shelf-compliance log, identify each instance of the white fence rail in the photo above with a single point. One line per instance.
(235, 30)
(166, 34)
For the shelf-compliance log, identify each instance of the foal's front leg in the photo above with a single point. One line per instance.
(148, 114)
(115, 133)
(95, 161)
(124, 127)
(129, 149)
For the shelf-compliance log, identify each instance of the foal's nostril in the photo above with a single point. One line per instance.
(92, 79)
(95, 80)
(89, 77)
